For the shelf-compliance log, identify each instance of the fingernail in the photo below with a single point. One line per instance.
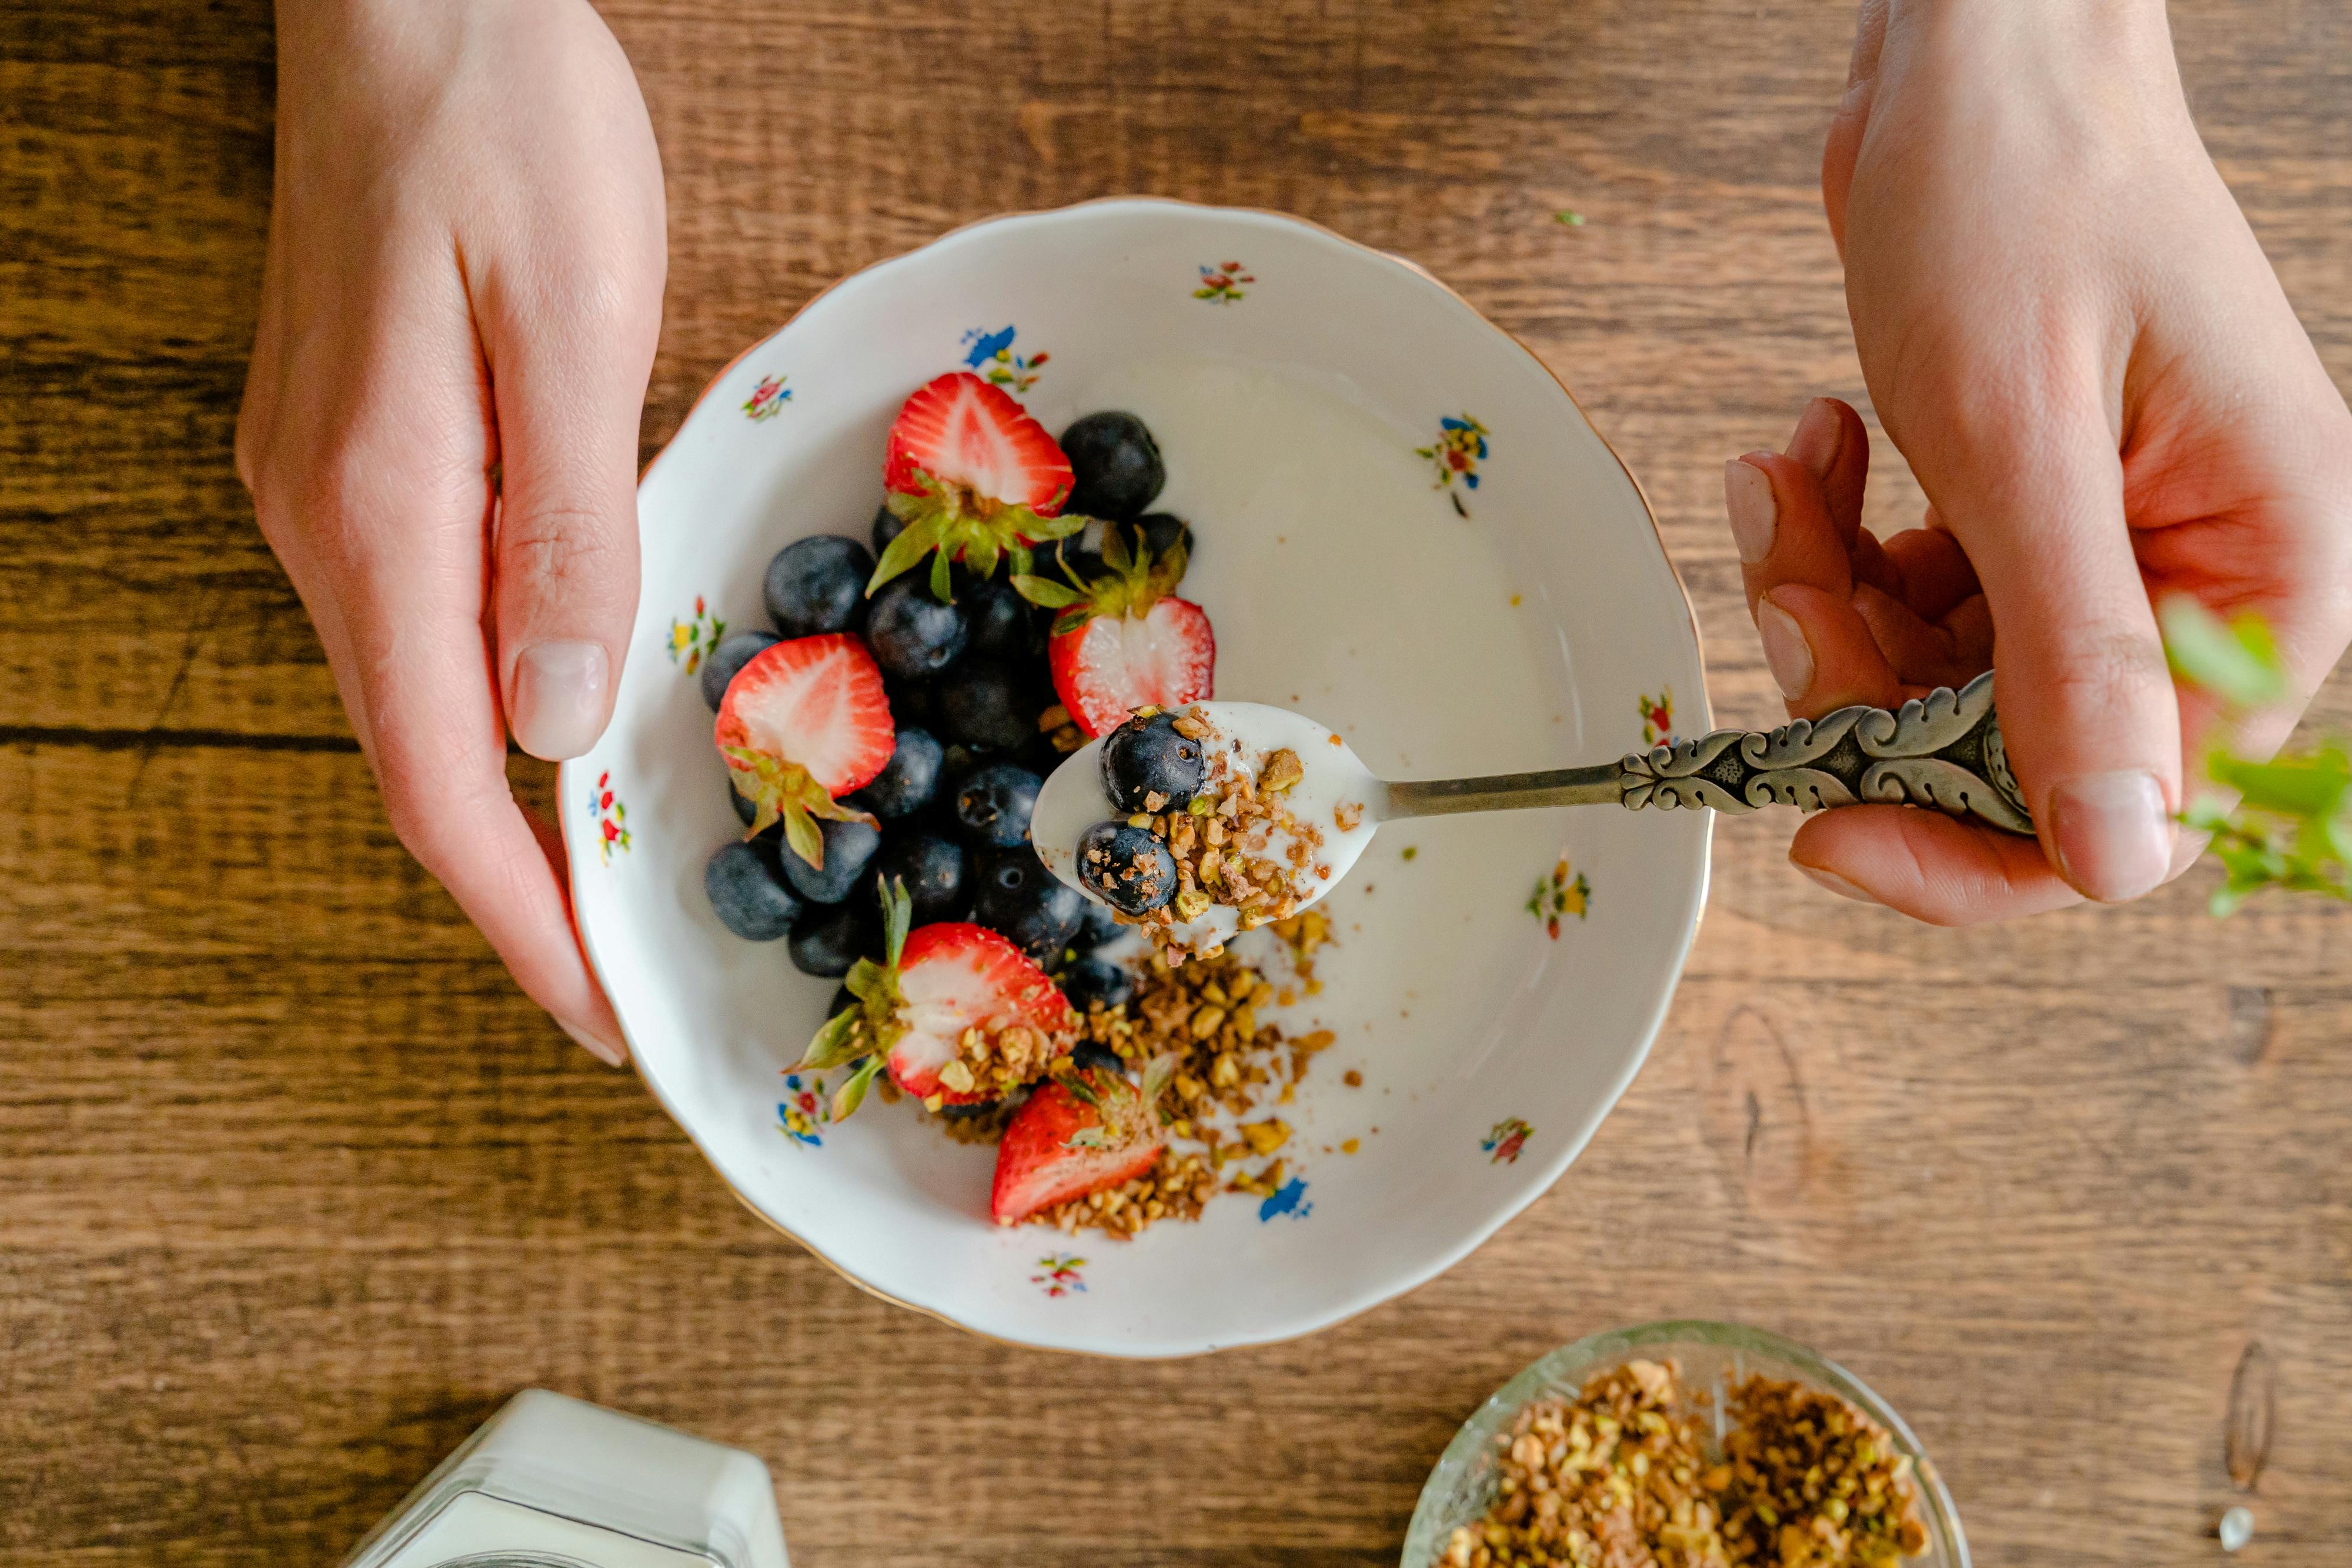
(2114, 833)
(1818, 431)
(603, 1051)
(1786, 652)
(1755, 515)
(1835, 882)
(560, 698)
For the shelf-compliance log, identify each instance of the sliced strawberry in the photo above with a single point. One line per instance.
(1125, 641)
(1113, 665)
(804, 722)
(956, 976)
(961, 430)
(915, 1007)
(1074, 1137)
(974, 477)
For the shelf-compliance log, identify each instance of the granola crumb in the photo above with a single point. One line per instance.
(1352, 1079)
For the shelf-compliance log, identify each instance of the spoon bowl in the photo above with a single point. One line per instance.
(1337, 785)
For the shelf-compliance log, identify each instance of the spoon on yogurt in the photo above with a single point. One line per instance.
(1943, 750)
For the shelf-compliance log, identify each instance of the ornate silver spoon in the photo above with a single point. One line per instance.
(1943, 750)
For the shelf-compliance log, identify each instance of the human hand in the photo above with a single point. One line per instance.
(462, 296)
(2069, 331)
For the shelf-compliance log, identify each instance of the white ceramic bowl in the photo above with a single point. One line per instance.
(1298, 385)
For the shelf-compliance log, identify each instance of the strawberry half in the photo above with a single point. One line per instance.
(1077, 1136)
(1124, 642)
(804, 722)
(917, 1007)
(974, 477)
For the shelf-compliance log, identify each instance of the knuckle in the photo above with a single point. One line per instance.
(561, 544)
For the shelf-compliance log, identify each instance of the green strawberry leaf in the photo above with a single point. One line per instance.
(1088, 1138)
(898, 917)
(836, 1043)
(1045, 592)
(852, 1093)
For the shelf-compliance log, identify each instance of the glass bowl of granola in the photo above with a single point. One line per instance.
(1397, 523)
(1693, 1444)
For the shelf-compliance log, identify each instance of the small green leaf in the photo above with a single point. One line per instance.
(1078, 1089)
(914, 542)
(1574, 220)
(852, 1093)
(836, 1043)
(1044, 592)
(2304, 788)
(897, 916)
(1088, 1138)
(801, 833)
(942, 584)
(2237, 663)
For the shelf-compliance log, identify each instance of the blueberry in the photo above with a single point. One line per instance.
(1145, 757)
(1163, 531)
(888, 526)
(1099, 931)
(994, 803)
(748, 891)
(1139, 871)
(1092, 980)
(968, 1111)
(818, 584)
(911, 633)
(931, 867)
(848, 850)
(829, 938)
(982, 703)
(1078, 556)
(1088, 1057)
(1003, 624)
(731, 654)
(1040, 756)
(909, 781)
(1113, 465)
(911, 703)
(1028, 904)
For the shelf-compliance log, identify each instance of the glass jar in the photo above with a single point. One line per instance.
(555, 1483)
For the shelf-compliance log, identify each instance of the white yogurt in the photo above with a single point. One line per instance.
(1337, 787)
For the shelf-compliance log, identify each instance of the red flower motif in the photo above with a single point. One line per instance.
(611, 833)
(697, 607)
(606, 802)
(603, 779)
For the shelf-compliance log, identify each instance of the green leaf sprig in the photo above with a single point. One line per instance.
(2292, 824)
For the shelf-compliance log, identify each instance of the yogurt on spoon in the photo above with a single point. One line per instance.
(1278, 809)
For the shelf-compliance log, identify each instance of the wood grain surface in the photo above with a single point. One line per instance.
(295, 1187)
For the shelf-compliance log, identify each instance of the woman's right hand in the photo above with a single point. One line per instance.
(461, 299)
(2070, 332)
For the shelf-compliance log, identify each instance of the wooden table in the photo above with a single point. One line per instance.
(295, 1187)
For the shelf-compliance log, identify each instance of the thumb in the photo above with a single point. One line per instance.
(569, 386)
(2087, 706)
(1843, 146)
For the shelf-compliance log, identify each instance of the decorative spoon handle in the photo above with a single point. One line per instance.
(1942, 750)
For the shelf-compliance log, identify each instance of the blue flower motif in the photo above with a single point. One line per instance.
(985, 346)
(1286, 1201)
